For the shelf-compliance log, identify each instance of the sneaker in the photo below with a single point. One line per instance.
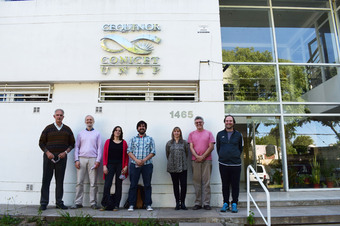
(76, 206)
(234, 208)
(130, 208)
(115, 208)
(225, 207)
(149, 208)
(61, 206)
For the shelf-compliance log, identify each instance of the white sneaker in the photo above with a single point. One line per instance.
(149, 208)
(130, 208)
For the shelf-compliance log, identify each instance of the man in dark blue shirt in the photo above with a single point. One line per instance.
(229, 144)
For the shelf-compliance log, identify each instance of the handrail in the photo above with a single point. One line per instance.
(268, 221)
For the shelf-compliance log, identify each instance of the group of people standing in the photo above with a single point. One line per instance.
(121, 159)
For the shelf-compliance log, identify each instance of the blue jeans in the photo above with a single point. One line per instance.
(146, 172)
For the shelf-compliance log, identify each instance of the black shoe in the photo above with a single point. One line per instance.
(76, 206)
(197, 207)
(178, 206)
(207, 207)
(61, 206)
(183, 207)
(94, 207)
(42, 207)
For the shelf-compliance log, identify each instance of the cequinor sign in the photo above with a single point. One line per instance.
(141, 45)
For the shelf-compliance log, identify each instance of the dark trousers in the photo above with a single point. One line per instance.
(114, 171)
(146, 172)
(58, 169)
(230, 176)
(179, 180)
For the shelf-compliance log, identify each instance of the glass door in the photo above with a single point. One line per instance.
(262, 150)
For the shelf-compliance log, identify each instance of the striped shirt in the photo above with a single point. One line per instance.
(141, 147)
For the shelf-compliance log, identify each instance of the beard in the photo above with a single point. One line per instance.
(229, 127)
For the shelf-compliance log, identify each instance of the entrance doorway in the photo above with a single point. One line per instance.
(262, 150)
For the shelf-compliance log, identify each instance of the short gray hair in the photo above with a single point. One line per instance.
(199, 118)
(59, 109)
(89, 116)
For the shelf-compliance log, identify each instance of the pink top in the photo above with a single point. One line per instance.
(88, 144)
(201, 141)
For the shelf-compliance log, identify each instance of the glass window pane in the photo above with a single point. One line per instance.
(304, 36)
(313, 151)
(248, 31)
(252, 108)
(249, 82)
(309, 84)
(244, 2)
(262, 150)
(310, 108)
(301, 3)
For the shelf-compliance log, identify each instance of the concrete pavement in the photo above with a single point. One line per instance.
(294, 207)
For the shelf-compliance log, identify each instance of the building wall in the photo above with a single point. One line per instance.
(58, 42)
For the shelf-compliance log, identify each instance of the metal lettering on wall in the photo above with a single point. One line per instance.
(141, 45)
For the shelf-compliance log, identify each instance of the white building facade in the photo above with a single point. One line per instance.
(273, 64)
(120, 61)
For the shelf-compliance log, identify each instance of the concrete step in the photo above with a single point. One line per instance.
(281, 215)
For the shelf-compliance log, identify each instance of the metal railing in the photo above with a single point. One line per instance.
(249, 196)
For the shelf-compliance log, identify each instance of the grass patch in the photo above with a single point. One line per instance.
(80, 219)
(9, 220)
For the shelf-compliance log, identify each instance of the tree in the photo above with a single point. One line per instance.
(257, 82)
(303, 141)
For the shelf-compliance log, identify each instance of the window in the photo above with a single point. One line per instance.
(25, 93)
(148, 92)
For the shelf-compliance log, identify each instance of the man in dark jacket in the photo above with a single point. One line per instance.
(229, 144)
(56, 141)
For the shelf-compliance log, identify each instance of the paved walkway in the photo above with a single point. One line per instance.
(303, 204)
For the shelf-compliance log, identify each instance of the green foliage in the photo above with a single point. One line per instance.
(249, 82)
(82, 219)
(265, 140)
(250, 218)
(258, 83)
(9, 220)
(293, 83)
(301, 143)
(303, 140)
(79, 219)
(291, 150)
(38, 220)
(315, 171)
(277, 177)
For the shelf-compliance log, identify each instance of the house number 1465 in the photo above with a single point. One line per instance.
(181, 114)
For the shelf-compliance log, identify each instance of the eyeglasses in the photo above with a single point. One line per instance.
(55, 161)
(199, 122)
